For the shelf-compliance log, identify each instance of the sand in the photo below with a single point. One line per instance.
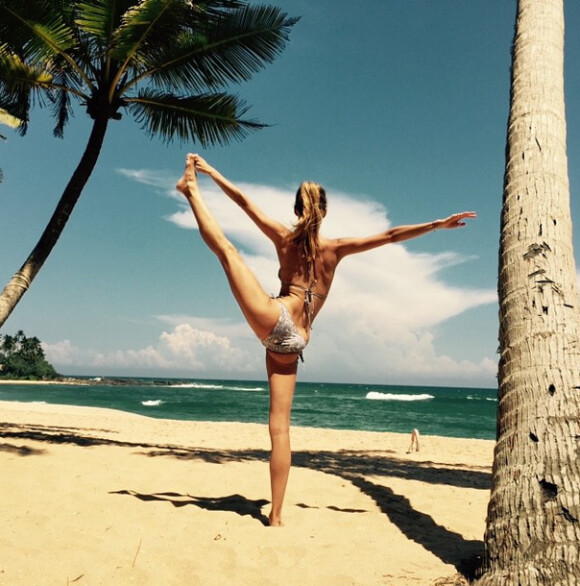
(100, 497)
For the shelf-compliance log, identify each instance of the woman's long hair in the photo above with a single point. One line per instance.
(310, 207)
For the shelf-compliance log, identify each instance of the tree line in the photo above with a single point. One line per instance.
(23, 358)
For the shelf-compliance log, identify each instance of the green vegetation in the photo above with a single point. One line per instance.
(23, 358)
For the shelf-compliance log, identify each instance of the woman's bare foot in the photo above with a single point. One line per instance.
(187, 184)
(274, 521)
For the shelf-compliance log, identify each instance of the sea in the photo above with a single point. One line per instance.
(442, 411)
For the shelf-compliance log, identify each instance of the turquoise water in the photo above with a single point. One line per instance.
(442, 411)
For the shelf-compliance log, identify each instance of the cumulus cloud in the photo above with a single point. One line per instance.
(379, 322)
(183, 349)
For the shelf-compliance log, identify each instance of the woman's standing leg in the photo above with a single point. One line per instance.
(281, 370)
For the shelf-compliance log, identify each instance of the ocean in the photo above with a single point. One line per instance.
(441, 411)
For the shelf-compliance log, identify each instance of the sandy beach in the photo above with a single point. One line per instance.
(101, 497)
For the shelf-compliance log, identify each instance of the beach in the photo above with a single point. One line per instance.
(102, 497)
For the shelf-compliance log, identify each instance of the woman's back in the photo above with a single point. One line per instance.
(306, 289)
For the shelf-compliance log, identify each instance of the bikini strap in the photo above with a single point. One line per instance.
(308, 291)
(308, 298)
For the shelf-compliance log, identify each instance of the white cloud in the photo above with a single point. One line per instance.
(159, 179)
(183, 349)
(379, 322)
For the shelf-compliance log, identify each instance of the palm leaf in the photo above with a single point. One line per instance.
(260, 33)
(148, 24)
(61, 101)
(232, 48)
(9, 120)
(152, 26)
(34, 28)
(18, 82)
(38, 31)
(101, 18)
(210, 118)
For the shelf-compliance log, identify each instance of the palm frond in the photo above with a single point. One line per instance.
(9, 120)
(210, 118)
(255, 34)
(61, 101)
(38, 31)
(100, 18)
(230, 48)
(34, 28)
(147, 25)
(150, 25)
(18, 107)
(18, 82)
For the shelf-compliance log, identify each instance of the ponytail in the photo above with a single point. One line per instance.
(310, 207)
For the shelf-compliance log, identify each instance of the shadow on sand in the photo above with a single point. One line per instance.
(234, 503)
(351, 465)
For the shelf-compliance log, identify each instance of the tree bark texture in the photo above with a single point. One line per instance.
(533, 526)
(22, 279)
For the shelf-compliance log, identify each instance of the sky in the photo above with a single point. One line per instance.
(398, 107)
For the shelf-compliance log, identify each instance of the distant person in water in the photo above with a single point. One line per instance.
(307, 266)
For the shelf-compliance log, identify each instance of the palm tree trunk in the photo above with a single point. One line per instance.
(533, 524)
(21, 280)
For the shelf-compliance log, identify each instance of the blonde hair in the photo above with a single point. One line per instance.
(310, 207)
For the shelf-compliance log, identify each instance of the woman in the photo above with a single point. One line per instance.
(307, 265)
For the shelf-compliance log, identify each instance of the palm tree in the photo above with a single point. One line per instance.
(165, 62)
(533, 524)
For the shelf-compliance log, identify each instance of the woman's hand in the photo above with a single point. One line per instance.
(454, 221)
(202, 165)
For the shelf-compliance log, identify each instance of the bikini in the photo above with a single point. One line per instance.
(285, 337)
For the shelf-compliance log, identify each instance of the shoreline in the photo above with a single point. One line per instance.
(71, 380)
(42, 410)
(67, 381)
(31, 406)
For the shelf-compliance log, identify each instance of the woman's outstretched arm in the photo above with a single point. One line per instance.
(346, 246)
(271, 228)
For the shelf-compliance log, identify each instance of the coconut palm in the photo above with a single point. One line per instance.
(533, 525)
(165, 62)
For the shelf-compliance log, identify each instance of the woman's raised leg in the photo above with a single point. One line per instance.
(259, 309)
(281, 370)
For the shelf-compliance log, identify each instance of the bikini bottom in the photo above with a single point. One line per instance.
(285, 337)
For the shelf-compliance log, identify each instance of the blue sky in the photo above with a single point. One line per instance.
(398, 108)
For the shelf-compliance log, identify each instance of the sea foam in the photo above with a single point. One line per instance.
(207, 386)
(376, 396)
(153, 403)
